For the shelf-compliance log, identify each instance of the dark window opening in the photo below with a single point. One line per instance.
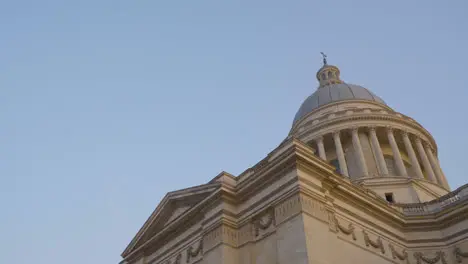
(389, 197)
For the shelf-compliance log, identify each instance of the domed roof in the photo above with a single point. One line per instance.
(333, 93)
(332, 89)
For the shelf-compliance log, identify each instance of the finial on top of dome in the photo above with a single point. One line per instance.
(324, 58)
(328, 74)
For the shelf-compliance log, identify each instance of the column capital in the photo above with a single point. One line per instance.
(417, 140)
(389, 129)
(354, 129)
(319, 138)
(405, 133)
(428, 146)
(336, 133)
(372, 129)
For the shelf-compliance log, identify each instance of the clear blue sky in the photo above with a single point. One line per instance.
(107, 105)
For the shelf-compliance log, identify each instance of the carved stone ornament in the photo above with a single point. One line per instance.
(459, 255)
(319, 139)
(264, 222)
(401, 256)
(404, 133)
(176, 261)
(440, 256)
(332, 223)
(347, 231)
(191, 252)
(428, 146)
(375, 244)
(336, 134)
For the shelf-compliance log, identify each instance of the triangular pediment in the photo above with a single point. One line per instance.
(178, 211)
(173, 206)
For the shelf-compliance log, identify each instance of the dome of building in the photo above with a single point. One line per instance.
(332, 89)
(332, 93)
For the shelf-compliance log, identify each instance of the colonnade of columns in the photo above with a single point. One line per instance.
(428, 159)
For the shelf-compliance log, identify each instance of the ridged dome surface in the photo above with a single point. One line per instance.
(334, 93)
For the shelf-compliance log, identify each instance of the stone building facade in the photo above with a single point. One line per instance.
(353, 182)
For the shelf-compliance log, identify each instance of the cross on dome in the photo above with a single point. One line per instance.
(328, 74)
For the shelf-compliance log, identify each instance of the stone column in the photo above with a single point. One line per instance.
(434, 163)
(321, 148)
(358, 148)
(378, 152)
(340, 154)
(396, 153)
(412, 155)
(425, 161)
(446, 184)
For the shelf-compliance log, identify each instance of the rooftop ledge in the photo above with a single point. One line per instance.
(458, 196)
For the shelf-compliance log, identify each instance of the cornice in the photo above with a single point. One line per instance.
(330, 105)
(221, 174)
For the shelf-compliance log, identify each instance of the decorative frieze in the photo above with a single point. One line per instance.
(229, 236)
(287, 209)
(193, 252)
(301, 203)
(439, 257)
(314, 208)
(332, 226)
(212, 238)
(375, 244)
(222, 234)
(403, 256)
(245, 234)
(459, 255)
